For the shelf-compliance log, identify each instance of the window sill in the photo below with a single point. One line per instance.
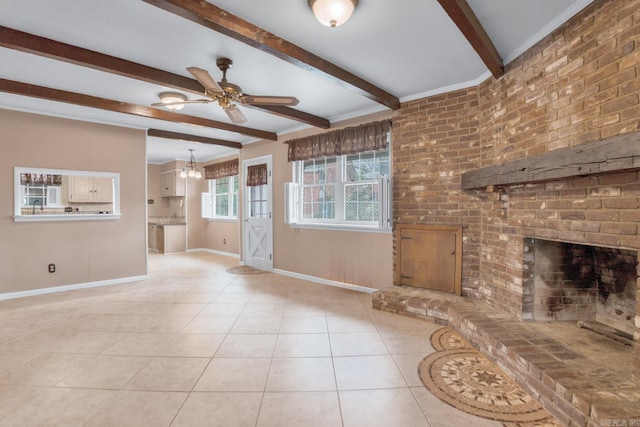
(65, 217)
(223, 220)
(342, 227)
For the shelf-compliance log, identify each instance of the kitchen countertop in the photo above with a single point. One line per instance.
(164, 224)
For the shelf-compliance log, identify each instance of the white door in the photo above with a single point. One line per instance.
(258, 225)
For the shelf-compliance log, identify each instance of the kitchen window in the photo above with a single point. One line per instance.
(46, 195)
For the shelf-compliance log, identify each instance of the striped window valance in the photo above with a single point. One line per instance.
(350, 140)
(257, 175)
(221, 170)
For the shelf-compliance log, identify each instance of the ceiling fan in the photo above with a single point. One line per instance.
(228, 95)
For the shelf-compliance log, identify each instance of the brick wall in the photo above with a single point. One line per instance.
(579, 84)
(435, 140)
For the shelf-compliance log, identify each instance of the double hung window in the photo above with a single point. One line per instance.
(341, 178)
(221, 201)
(224, 196)
(343, 190)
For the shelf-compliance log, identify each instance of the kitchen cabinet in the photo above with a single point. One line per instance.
(153, 237)
(90, 189)
(171, 184)
(167, 238)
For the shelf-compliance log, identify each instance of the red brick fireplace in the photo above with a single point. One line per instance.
(579, 85)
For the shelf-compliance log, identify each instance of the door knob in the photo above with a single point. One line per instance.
(452, 253)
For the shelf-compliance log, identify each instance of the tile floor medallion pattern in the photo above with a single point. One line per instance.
(462, 377)
(243, 269)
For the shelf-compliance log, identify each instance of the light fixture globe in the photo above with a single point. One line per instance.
(171, 97)
(333, 13)
(190, 169)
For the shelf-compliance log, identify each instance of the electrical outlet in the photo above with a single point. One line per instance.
(224, 241)
(52, 268)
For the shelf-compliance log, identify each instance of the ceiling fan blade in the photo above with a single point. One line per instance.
(235, 114)
(205, 79)
(191, 101)
(270, 100)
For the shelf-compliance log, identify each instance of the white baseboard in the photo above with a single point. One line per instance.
(213, 251)
(328, 282)
(64, 288)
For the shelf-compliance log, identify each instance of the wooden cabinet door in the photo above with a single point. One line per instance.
(171, 184)
(80, 189)
(166, 184)
(103, 190)
(430, 257)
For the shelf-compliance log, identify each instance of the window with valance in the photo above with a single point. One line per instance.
(341, 177)
(221, 201)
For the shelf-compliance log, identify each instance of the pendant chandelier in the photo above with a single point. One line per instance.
(190, 169)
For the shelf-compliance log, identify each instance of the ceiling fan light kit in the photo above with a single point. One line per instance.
(333, 13)
(226, 94)
(173, 100)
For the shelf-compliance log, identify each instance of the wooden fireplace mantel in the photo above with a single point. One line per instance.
(615, 154)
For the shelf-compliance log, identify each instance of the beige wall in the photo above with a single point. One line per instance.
(194, 221)
(83, 251)
(359, 258)
(222, 236)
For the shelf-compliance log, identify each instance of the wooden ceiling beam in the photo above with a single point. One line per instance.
(212, 17)
(25, 89)
(290, 113)
(29, 43)
(462, 15)
(158, 133)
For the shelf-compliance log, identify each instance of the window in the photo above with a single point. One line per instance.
(342, 190)
(319, 179)
(47, 195)
(222, 199)
(258, 201)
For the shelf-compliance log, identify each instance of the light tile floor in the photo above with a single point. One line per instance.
(197, 346)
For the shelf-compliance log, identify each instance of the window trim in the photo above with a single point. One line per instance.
(338, 223)
(212, 200)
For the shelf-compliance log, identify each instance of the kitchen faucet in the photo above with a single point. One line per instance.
(34, 205)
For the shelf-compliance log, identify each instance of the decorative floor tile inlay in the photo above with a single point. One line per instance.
(462, 377)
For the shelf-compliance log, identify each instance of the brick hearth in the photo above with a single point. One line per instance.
(581, 377)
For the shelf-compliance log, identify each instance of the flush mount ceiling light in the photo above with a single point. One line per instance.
(190, 170)
(173, 100)
(333, 13)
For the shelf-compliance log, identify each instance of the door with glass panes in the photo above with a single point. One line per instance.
(258, 225)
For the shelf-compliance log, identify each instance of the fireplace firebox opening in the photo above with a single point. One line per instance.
(568, 281)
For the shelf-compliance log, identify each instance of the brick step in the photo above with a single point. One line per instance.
(579, 376)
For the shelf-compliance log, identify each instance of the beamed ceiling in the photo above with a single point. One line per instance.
(109, 61)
